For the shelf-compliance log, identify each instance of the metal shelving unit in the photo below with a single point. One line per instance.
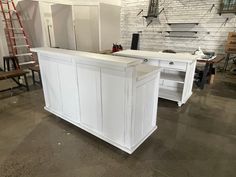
(182, 33)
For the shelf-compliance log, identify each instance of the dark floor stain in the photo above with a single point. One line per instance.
(224, 89)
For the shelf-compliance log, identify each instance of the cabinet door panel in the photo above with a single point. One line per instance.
(51, 85)
(90, 96)
(145, 112)
(87, 28)
(69, 91)
(113, 100)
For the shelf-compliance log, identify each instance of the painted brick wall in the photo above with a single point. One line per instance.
(212, 32)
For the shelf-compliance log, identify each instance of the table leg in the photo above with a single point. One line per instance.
(33, 76)
(204, 77)
(226, 61)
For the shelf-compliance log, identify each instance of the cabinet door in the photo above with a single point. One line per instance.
(87, 28)
(90, 96)
(113, 101)
(69, 91)
(145, 110)
(63, 26)
(51, 84)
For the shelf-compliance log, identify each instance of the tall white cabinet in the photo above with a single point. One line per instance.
(63, 24)
(86, 19)
(37, 21)
(86, 27)
(113, 98)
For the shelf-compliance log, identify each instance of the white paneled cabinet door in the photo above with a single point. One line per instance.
(69, 91)
(145, 110)
(87, 28)
(113, 100)
(90, 96)
(51, 85)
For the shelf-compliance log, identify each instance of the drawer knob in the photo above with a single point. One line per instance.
(146, 60)
(171, 63)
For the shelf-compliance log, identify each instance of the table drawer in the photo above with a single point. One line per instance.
(173, 65)
(151, 62)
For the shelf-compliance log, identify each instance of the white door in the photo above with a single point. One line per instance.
(87, 28)
(69, 91)
(90, 96)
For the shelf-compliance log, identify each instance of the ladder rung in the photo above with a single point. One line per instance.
(3, 2)
(27, 63)
(15, 28)
(16, 33)
(24, 54)
(8, 11)
(8, 20)
(18, 37)
(20, 46)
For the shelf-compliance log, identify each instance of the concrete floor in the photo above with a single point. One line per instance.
(196, 140)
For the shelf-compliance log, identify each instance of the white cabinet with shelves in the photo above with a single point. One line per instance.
(177, 74)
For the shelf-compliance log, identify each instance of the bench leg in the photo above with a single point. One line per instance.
(26, 82)
(40, 79)
(5, 64)
(8, 66)
(33, 76)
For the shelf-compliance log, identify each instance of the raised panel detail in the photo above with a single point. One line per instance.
(145, 112)
(113, 99)
(90, 96)
(52, 84)
(69, 91)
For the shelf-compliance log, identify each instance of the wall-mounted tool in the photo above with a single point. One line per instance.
(149, 23)
(213, 5)
(140, 12)
(225, 22)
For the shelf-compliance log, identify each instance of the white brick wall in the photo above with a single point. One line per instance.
(212, 34)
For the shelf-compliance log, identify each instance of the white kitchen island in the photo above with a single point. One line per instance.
(113, 98)
(177, 73)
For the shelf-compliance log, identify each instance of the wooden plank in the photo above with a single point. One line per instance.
(11, 74)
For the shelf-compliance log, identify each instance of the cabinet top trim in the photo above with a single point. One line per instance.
(90, 57)
(182, 57)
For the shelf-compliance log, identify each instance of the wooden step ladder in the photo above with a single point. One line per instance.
(18, 43)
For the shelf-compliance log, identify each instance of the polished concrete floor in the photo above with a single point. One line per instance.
(196, 140)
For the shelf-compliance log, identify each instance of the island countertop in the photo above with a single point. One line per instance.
(99, 58)
(181, 57)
